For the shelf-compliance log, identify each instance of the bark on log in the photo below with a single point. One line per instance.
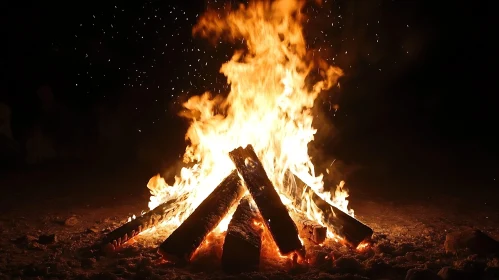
(311, 230)
(124, 233)
(243, 241)
(345, 225)
(274, 213)
(183, 242)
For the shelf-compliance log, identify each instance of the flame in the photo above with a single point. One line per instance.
(362, 246)
(269, 106)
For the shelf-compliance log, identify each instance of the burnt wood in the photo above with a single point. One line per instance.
(353, 230)
(311, 230)
(183, 242)
(274, 212)
(129, 230)
(243, 241)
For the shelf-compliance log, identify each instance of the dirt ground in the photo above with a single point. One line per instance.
(51, 216)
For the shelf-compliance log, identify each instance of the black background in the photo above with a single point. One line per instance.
(417, 104)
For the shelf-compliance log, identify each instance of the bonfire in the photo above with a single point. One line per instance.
(251, 183)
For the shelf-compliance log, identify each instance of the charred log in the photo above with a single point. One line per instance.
(243, 241)
(311, 230)
(183, 242)
(345, 225)
(274, 213)
(124, 233)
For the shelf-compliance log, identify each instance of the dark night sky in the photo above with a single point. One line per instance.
(417, 96)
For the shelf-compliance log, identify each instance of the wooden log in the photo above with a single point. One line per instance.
(129, 230)
(243, 241)
(183, 242)
(343, 224)
(274, 213)
(311, 230)
(353, 230)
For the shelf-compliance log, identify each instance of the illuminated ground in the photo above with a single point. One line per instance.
(410, 233)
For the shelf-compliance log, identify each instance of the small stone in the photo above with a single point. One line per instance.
(449, 273)
(421, 274)
(47, 239)
(25, 239)
(384, 247)
(403, 249)
(108, 249)
(474, 241)
(348, 265)
(36, 246)
(411, 256)
(71, 221)
(93, 230)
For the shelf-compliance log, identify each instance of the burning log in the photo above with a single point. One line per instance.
(183, 242)
(124, 233)
(311, 230)
(345, 225)
(242, 244)
(273, 211)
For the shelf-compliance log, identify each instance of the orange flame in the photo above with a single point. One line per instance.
(269, 106)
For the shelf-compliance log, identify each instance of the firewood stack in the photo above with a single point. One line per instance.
(243, 239)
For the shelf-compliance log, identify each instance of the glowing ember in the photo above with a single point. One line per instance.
(362, 246)
(269, 106)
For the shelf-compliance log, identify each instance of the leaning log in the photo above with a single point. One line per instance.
(340, 222)
(183, 242)
(353, 230)
(274, 213)
(129, 230)
(243, 241)
(311, 230)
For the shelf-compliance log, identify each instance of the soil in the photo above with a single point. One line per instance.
(51, 217)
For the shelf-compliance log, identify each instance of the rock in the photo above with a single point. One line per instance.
(411, 256)
(47, 239)
(71, 221)
(491, 273)
(108, 249)
(384, 247)
(403, 249)
(93, 230)
(25, 239)
(421, 274)
(449, 273)
(36, 246)
(473, 241)
(348, 265)
(471, 266)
